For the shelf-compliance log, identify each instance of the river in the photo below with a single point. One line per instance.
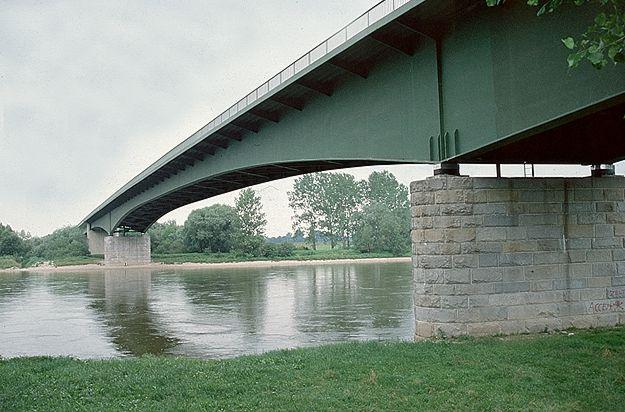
(207, 313)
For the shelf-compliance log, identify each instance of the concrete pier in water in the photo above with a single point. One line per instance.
(127, 250)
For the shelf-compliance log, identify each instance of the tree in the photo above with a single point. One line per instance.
(68, 241)
(384, 224)
(211, 229)
(382, 230)
(167, 237)
(11, 243)
(383, 188)
(302, 201)
(249, 209)
(251, 221)
(603, 41)
(340, 197)
(326, 202)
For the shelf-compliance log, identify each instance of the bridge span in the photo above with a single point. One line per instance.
(418, 81)
(434, 81)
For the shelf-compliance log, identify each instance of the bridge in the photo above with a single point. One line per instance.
(420, 81)
(442, 82)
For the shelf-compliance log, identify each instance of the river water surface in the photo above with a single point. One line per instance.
(208, 313)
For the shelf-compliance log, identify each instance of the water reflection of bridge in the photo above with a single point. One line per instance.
(122, 299)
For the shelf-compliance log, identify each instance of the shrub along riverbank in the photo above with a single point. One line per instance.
(580, 371)
(297, 254)
(179, 258)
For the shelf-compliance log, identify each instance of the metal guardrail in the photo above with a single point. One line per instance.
(362, 22)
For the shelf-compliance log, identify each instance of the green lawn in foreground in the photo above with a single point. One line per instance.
(585, 371)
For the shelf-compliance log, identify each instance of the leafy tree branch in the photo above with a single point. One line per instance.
(602, 42)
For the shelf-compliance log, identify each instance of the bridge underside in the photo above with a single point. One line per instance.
(141, 218)
(593, 136)
(433, 81)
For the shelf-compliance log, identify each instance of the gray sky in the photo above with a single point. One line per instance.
(93, 92)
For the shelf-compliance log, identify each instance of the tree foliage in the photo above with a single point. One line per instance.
(167, 237)
(252, 223)
(379, 229)
(602, 42)
(326, 203)
(211, 229)
(249, 208)
(384, 223)
(302, 199)
(383, 188)
(374, 213)
(338, 199)
(69, 241)
(11, 243)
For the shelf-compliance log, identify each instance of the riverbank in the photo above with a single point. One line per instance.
(580, 370)
(215, 265)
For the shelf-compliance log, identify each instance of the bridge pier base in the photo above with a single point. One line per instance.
(95, 240)
(514, 255)
(127, 250)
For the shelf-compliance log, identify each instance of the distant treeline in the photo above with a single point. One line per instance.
(369, 216)
(372, 215)
(21, 249)
(220, 229)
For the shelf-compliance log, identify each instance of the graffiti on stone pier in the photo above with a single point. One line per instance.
(616, 305)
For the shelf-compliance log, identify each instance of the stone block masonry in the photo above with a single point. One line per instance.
(503, 256)
(127, 250)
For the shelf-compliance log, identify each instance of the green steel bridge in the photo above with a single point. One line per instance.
(419, 81)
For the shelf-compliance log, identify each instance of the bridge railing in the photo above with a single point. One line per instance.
(368, 18)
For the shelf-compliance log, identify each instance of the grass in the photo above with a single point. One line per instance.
(77, 260)
(298, 254)
(61, 261)
(585, 371)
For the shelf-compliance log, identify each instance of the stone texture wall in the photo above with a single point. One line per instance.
(502, 256)
(127, 250)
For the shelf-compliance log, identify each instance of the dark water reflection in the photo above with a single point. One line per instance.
(203, 313)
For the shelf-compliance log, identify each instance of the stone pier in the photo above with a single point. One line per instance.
(95, 240)
(503, 256)
(127, 250)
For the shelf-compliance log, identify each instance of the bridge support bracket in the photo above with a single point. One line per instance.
(447, 168)
(600, 170)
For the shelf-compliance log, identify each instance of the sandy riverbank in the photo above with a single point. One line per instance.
(252, 264)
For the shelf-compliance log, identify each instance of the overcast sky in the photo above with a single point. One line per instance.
(93, 92)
